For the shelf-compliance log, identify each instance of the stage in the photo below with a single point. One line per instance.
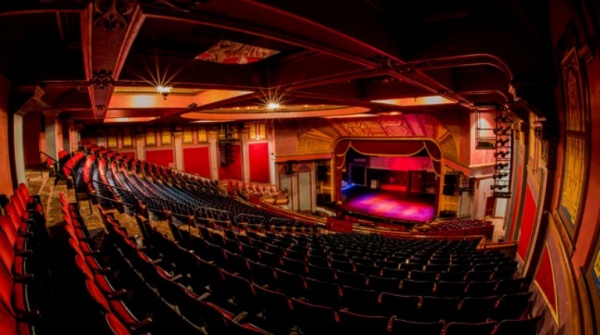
(386, 203)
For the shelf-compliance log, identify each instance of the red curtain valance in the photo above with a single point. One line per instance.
(401, 148)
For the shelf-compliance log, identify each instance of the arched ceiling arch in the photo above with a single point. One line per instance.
(321, 135)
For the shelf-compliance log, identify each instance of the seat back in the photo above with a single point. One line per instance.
(358, 324)
(400, 327)
(464, 328)
(520, 326)
(315, 319)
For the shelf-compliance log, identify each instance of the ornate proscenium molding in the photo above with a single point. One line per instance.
(101, 79)
(112, 14)
(546, 134)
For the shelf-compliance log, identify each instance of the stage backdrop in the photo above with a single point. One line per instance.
(258, 154)
(197, 160)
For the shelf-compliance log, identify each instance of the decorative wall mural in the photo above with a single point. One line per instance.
(575, 150)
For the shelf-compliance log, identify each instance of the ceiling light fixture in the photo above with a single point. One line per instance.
(273, 105)
(164, 91)
(272, 98)
(417, 101)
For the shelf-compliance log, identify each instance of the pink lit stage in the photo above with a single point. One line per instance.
(389, 204)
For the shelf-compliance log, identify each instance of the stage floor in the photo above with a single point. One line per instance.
(389, 204)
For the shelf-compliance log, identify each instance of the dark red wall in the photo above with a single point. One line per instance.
(258, 154)
(197, 160)
(527, 220)
(162, 157)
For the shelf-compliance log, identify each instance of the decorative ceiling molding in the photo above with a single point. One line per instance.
(112, 14)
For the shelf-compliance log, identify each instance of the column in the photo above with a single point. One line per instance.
(214, 154)
(52, 130)
(140, 144)
(178, 149)
(245, 154)
(272, 156)
(18, 145)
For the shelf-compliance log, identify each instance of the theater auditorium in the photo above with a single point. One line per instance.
(300, 167)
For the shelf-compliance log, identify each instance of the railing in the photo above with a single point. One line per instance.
(48, 157)
(112, 190)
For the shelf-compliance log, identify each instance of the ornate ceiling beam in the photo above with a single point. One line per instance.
(108, 30)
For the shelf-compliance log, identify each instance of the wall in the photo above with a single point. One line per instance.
(258, 159)
(485, 121)
(6, 186)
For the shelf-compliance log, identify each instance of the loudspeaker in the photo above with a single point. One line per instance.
(322, 171)
(449, 184)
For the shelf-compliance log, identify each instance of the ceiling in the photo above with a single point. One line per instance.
(95, 61)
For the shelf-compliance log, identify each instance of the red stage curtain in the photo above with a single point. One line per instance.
(197, 160)
(160, 157)
(404, 148)
(259, 162)
(233, 170)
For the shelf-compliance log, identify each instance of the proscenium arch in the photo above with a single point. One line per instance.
(386, 147)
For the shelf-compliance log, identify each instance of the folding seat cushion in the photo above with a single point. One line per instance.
(19, 243)
(30, 203)
(18, 264)
(116, 307)
(20, 223)
(115, 326)
(18, 297)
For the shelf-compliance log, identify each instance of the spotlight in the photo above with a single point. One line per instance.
(501, 166)
(502, 143)
(502, 130)
(501, 118)
(502, 153)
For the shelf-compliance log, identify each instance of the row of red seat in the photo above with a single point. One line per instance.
(103, 295)
(456, 228)
(23, 242)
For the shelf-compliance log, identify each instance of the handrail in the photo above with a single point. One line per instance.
(120, 202)
(48, 156)
(190, 209)
(111, 187)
